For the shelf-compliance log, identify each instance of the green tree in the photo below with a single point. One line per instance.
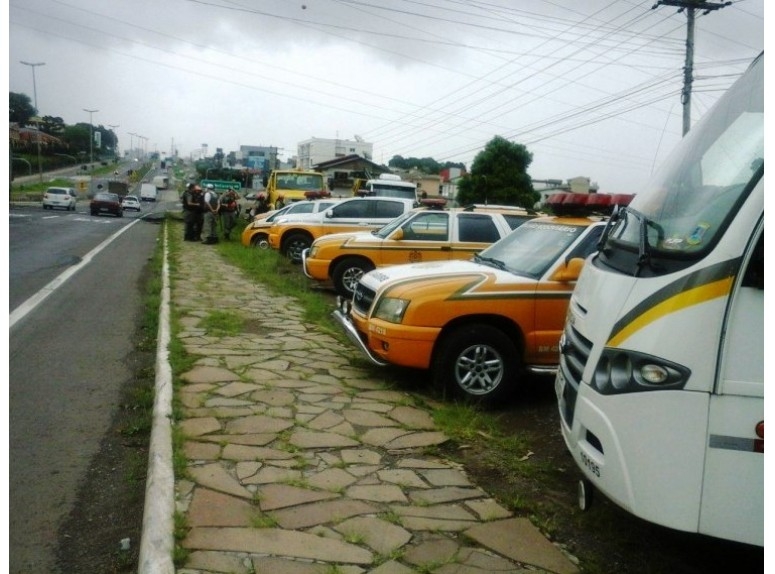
(77, 138)
(499, 176)
(20, 108)
(54, 126)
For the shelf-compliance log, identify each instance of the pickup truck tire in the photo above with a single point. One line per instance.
(477, 362)
(295, 244)
(347, 272)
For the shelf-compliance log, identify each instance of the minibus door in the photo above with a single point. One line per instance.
(732, 504)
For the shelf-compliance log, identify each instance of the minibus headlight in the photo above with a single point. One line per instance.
(391, 309)
(625, 371)
(654, 374)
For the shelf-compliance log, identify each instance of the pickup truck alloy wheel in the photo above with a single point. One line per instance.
(479, 362)
(295, 244)
(347, 273)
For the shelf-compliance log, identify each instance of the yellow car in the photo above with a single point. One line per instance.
(418, 236)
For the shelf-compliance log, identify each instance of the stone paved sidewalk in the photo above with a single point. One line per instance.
(299, 463)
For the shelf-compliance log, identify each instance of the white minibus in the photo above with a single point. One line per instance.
(661, 381)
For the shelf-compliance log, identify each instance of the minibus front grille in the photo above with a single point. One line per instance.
(574, 352)
(363, 298)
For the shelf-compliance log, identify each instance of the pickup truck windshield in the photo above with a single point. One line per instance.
(680, 215)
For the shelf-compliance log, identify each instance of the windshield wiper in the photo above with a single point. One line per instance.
(644, 248)
(490, 261)
(618, 213)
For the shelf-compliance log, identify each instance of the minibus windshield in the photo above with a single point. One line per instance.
(682, 213)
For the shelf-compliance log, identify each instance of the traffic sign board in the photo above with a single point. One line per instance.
(221, 184)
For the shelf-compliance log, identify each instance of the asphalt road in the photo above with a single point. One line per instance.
(66, 362)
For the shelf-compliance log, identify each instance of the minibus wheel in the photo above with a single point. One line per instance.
(585, 494)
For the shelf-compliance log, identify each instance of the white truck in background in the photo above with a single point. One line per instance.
(386, 185)
(148, 192)
(161, 181)
(660, 387)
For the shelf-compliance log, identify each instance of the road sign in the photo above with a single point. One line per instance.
(221, 185)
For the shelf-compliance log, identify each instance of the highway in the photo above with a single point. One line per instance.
(75, 299)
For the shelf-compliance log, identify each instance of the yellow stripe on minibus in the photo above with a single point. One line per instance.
(676, 303)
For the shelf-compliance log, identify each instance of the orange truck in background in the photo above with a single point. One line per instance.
(286, 186)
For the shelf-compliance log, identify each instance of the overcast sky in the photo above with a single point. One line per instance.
(591, 87)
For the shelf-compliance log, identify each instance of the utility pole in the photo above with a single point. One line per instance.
(690, 6)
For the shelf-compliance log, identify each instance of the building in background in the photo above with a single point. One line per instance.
(318, 150)
(547, 187)
(341, 172)
(261, 159)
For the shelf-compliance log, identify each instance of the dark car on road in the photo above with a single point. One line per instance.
(105, 202)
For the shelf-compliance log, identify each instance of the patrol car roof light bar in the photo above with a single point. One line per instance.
(583, 204)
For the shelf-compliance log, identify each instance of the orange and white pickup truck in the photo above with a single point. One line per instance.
(478, 325)
(420, 235)
(292, 236)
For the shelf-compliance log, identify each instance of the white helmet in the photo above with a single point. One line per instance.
(210, 186)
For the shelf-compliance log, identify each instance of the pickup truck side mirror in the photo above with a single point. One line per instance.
(570, 271)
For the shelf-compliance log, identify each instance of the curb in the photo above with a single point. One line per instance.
(157, 540)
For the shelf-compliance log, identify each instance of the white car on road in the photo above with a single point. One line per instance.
(64, 197)
(131, 202)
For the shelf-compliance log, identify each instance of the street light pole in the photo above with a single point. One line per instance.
(131, 143)
(35, 96)
(91, 138)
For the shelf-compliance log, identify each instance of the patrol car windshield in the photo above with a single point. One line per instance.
(532, 248)
(684, 210)
(388, 228)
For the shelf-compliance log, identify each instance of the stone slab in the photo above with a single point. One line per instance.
(518, 539)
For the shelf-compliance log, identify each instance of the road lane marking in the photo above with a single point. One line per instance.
(30, 304)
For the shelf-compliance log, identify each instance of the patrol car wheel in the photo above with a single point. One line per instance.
(347, 273)
(295, 244)
(478, 362)
(260, 240)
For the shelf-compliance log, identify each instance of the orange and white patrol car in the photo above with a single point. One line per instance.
(256, 233)
(420, 235)
(478, 324)
(291, 236)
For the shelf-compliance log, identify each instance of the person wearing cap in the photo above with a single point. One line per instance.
(210, 215)
(198, 212)
(191, 212)
(260, 206)
(228, 207)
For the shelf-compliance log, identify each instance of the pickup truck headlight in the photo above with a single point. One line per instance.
(391, 309)
(313, 251)
(626, 371)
